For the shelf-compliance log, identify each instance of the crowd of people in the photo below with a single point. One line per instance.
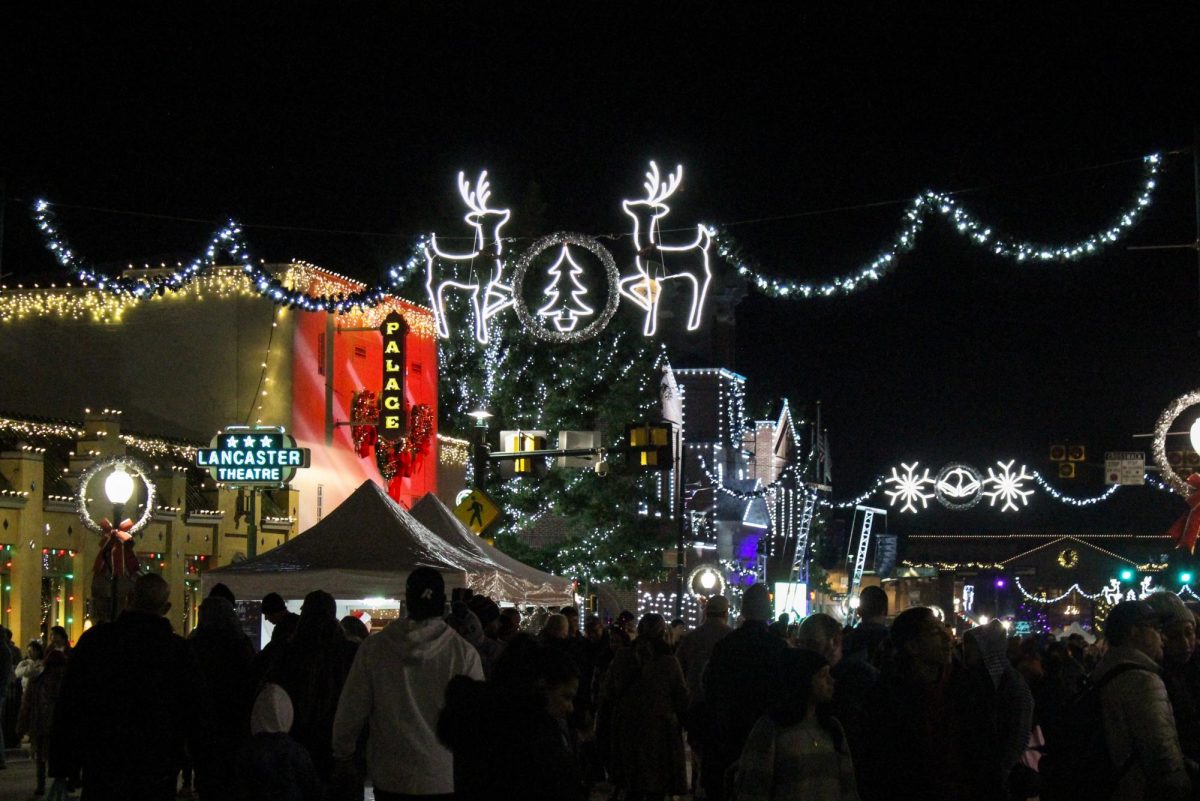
(463, 699)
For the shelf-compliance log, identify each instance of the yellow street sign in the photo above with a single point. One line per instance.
(477, 511)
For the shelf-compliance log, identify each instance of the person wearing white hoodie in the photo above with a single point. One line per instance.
(397, 687)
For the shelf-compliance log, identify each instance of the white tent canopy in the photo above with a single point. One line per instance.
(365, 548)
(510, 580)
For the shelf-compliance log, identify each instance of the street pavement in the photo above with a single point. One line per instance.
(17, 782)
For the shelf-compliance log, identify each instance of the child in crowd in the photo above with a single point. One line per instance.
(272, 766)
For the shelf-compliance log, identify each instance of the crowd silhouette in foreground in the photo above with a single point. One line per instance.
(464, 699)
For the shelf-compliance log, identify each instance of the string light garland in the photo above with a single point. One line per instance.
(931, 204)
(1058, 496)
(228, 239)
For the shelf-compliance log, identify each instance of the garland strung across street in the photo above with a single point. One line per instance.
(957, 487)
(483, 273)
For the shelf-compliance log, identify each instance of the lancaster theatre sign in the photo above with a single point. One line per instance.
(253, 456)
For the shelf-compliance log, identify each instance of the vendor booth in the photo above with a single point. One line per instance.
(509, 581)
(362, 553)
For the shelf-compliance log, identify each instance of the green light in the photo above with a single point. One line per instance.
(1185, 577)
(69, 576)
(1126, 575)
(70, 620)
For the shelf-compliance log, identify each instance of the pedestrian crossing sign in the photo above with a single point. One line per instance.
(477, 511)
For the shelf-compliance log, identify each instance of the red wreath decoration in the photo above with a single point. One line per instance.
(403, 458)
(1186, 529)
(364, 410)
(116, 537)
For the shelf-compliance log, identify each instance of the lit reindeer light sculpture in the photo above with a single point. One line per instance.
(459, 271)
(653, 270)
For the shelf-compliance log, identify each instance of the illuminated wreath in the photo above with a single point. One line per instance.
(697, 580)
(536, 327)
(402, 457)
(136, 470)
(1068, 558)
(1159, 447)
(958, 486)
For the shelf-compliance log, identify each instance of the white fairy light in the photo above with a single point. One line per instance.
(964, 223)
(909, 487)
(644, 287)
(1007, 486)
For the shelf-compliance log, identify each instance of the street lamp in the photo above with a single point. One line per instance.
(479, 462)
(118, 487)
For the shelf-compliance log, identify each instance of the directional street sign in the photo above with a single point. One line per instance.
(477, 511)
(1125, 467)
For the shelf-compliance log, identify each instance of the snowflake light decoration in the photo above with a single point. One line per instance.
(909, 487)
(1007, 486)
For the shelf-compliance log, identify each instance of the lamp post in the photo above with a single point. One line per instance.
(118, 487)
(480, 455)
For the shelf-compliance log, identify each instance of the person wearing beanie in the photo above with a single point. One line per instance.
(1181, 668)
(271, 765)
(798, 749)
(396, 689)
(739, 682)
(694, 651)
(1139, 727)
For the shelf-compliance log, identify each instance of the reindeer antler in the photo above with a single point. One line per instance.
(475, 199)
(658, 190)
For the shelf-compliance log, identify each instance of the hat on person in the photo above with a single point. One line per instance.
(717, 606)
(219, 590)
(1170, 608)
(425, 593)
(756, 603)
(1126, 616)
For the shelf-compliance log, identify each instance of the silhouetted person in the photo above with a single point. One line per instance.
(867, 638)
(129, 746)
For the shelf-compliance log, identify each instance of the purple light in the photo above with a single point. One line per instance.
(999, 582)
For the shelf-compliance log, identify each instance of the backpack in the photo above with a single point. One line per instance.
(1076, 766)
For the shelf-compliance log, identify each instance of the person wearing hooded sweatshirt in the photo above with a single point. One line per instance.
(397, 688)
(271, 765)
(1010, 707)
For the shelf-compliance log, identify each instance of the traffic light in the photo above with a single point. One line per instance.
(1076, 453)
(1185, 577)
(1058, 453)
(1126, 574)
(1066, 470)
(649, 445)
(524, 441)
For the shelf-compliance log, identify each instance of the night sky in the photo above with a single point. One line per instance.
(335, 137)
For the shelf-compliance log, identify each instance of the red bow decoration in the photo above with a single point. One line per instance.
(116, 537)
(1186, 529)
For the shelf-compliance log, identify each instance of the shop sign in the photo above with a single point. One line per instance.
(253, 456)
(392, 423)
